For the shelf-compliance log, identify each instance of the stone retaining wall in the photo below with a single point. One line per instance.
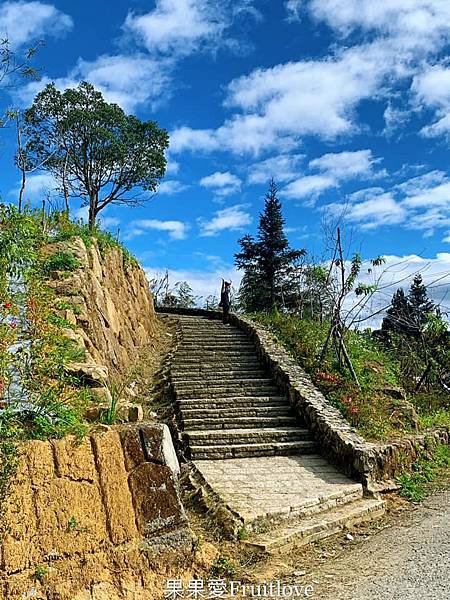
(374, 465)
(90, 519)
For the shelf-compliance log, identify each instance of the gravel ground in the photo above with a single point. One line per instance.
(408, 561)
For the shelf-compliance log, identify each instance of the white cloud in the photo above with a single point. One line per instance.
(346, 165)
(309, 186)
(334, 168)
(37, 187)
(293, 9)
(177, 230)
(177, 28)
(24, 22)
(275, 107)
(233, 218)
(431, 89)
(130, 81)
(171, 187)
(421, 203)
(223, 183)
(416, 23)
(382, 209)
(279, 105)
(446, 239)
(283, 167)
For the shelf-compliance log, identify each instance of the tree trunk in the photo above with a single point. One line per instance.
(92, 211)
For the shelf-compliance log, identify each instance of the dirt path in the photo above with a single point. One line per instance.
(408, 561)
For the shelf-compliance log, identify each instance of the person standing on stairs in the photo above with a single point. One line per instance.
(225, 300)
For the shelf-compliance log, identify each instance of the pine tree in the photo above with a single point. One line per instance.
(267, 261)
(408, 313)
(420, 305)
(398, 316)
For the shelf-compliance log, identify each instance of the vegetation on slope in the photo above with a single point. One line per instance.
(38, 398)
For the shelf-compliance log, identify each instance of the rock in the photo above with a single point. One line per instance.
(91, 374)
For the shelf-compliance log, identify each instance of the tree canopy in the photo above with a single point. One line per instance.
(94, 150)
(267, 261)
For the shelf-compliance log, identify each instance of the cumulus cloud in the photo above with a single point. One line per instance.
(334, 168)
(233, 218)
(25, 22)
(171, 187)
(421, 203)
(283, 167)
(177, 28)
(129, 81)
(222, 183)
(177, 230)
(38, 186)
(275, 107)
(293, 9)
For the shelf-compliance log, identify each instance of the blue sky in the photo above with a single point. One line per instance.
(345, 102)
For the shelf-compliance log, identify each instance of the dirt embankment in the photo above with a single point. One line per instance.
(96, 519)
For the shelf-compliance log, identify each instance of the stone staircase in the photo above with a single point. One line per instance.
(228, 407)
(248, 446)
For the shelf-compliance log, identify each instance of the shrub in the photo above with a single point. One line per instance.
(60, 261)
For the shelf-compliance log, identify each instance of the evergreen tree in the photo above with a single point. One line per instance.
(409, 313)
(398, 316)
(267, 261)
(420, 305)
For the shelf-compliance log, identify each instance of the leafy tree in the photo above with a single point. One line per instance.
(95, 151)
(267, 261)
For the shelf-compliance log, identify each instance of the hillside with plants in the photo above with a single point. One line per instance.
(387, 382)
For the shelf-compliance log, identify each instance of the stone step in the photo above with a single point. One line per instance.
(216, 374)
(213, 362)
(216, 382)
(206, 391)
(260, 412)
(222, 403)
(318, 526)
(225, 354)
(216, 347)
(234, 336)
(234, 422)
(252, 450)
(214, 437)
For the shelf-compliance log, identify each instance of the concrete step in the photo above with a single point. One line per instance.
(234, 422)
(268, 435)
(224, 391)
(252, 450)
(260, 412)
(318, 526)
(222, 403)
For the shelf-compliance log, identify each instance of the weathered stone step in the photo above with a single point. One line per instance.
(214, 362)
(216, 382)
(216, 374)
(318, 526)
(266, 435)
(232, 402)
(218, 413)
(224, 391)
(235, 422)
(219, 337)
(225, 354)
(252, 450)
